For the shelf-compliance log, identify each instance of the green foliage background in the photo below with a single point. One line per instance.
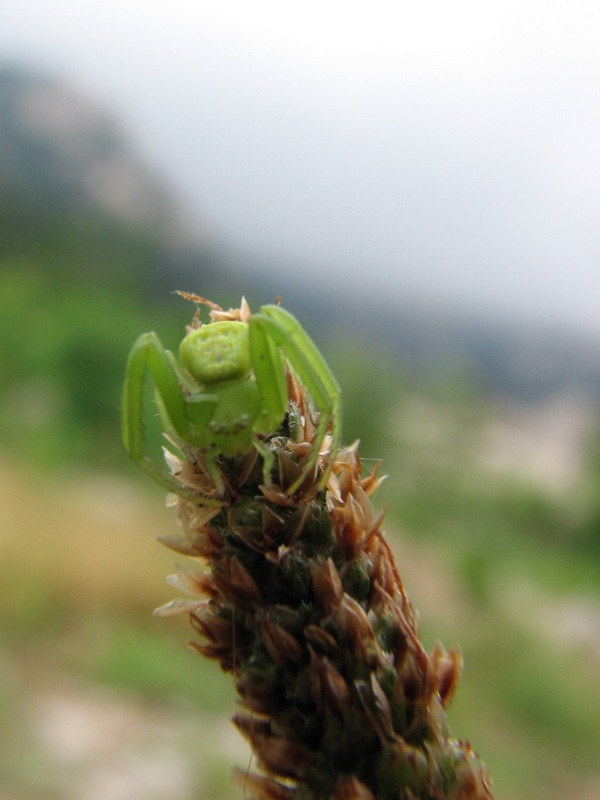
(76, 288)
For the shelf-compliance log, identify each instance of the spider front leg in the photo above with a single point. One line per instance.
(274, 331)
(148, 353)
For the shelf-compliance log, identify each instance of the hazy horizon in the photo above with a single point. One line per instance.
(445, 152)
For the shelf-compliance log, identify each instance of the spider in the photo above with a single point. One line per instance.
(228, 389)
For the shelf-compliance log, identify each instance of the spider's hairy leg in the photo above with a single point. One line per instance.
(269, 373)
(284, 333)
(268, 460)
(148, 353)
(211, 468)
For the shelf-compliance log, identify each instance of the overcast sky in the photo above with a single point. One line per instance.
(444, 149)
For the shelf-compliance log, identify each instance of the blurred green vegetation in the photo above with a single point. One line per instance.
(80, 572)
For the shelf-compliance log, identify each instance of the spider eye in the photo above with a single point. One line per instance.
(219, 351)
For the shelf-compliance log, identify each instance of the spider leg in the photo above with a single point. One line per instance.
(269, 373)
(284, 333)
(148, 353)
(268, 460)
(211, 468)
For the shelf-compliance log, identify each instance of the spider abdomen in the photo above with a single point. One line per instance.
(217, 352)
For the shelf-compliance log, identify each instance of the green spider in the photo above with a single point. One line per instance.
(229, 391)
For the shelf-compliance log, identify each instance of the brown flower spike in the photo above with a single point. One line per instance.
(297, 595)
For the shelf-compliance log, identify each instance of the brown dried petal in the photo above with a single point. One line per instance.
(350, 788)
(357, 629)
(407, 626)
(283, 528)
(355, 522)
(371, 483)
(377, 708)
(249, 527)
(251, 726)
(318, 636)
(448, 669)
(327, 584)
(472, 776)
(259, 787)
(220, 652)
(300, 449)
(189, 476)
(288, 469)
(280, 756)
(275, 494)
(195, 298)
(242, 583)
(199, 547)
(329, 690)
(334, 492)
(258, 696)
(214, 627)
(347, 469)
(282, 646)
(200, 516)
(192, 582)
(386, 575)
(177, 607)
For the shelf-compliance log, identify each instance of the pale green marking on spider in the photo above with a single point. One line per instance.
(229, 388)
(217, 352)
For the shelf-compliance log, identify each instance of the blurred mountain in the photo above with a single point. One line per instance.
(79, 204)
(60, 148)
(77, 198)
(90, 247)
(516, 358)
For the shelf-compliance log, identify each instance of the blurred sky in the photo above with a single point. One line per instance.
(444, 149)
